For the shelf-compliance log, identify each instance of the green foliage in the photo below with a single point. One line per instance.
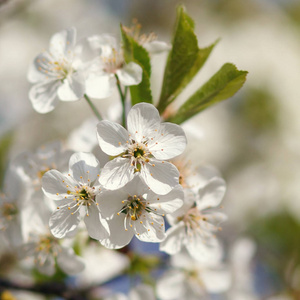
(143, 265)
(134, 52)
(58, 276)
(224, 84)
(5, 144)
(258, 110)
(277, 237)
(184, 60)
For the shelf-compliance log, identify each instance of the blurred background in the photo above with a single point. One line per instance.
(252, 138)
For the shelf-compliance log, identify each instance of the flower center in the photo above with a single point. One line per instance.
(138, 153)
(46, 244)
(83, 194)
(56, 68)
(112, 61)
(134, 207)
(192, 218)
(135, 32)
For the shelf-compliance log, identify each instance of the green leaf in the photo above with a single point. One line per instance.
(224, 84)
(184, 60)
(133, 51)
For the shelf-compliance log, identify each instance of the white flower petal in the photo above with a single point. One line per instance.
(130, 74)
(13, 232)
(143, 120)
(116, 173)
(119, 236)
(56, 185)
(99, 86)
(149, 228)
(136, 186)
(175, 239)
(216, 281)
(211, 194)
(214, 218)
(171, 286)
(62, 42)
(96, 226)
(26, 250)
(161, 178)
(180, 212)
(13, 186)
(166, 204)
(73, 88)
(110, 202)
(46, 264)
(156, 47)
(63, 221)
(39, 69)
(70, 263)
(170, 142)
(112, 137)
(204, 250)
(142, 291)
(43, 96)
(84, 167)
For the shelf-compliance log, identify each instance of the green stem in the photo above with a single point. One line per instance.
(93, 107)
(123, 100)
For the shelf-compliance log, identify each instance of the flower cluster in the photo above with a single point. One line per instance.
(71, 69)
(138, 190)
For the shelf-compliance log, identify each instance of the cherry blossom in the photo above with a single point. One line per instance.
(13, 208)
(57, 73)
(104, 62)
(136, 210)
(75, 192)
(193, 280)
(140, 292)
(143, 149)
(194, 224)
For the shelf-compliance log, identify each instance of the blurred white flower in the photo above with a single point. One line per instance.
(142, 149)
(149, 42)
(136, 210)
(47, 251)
(194, 224)
(141, 292)
(33, 165)
(113, 263)
(192, 280)
(56, 73)
(72, 192)
(241, 255)
(104, 61)
(14, 209)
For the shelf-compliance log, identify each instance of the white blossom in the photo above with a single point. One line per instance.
(136, 210)
(149, 42)
(57, 73)
(13, 201)
(113, 264)
(33, 165)
(142, 149)
(75, 192)
(194, 224)
(193, 280)
(140, 292)
(47, 250)
(104, 61)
